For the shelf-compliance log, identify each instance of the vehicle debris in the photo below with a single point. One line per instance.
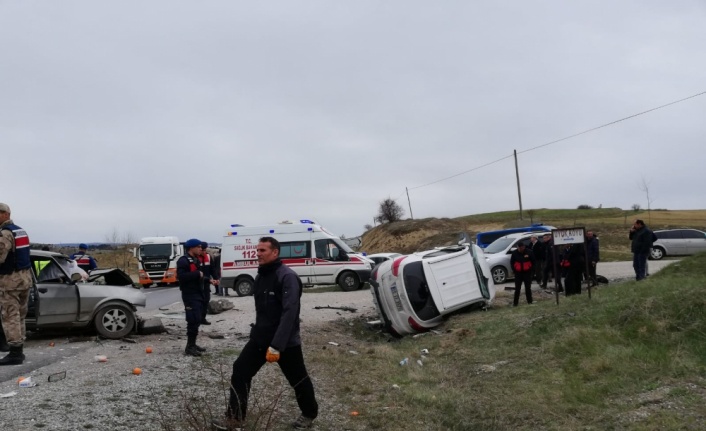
(351, 309)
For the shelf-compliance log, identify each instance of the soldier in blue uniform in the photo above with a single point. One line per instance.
(190, 276)
(85, 261)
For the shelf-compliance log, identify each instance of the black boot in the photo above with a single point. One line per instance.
(15, 357)
(4, 347)
(191, 349)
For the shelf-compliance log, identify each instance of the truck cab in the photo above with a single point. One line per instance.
(156, 260)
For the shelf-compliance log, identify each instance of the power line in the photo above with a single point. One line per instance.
(559, 140)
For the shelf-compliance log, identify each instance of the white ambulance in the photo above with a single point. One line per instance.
(316, 255)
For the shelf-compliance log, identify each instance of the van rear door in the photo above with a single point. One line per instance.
(452, 280)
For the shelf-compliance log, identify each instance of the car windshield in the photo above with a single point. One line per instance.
(415, 284)
(156, 250)
(499, 245)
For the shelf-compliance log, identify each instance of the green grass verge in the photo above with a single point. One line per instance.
(631, 357)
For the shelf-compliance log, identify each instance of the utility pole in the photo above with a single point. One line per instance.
(517, 174)
(409, 203)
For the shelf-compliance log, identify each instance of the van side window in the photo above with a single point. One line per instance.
(294, 250)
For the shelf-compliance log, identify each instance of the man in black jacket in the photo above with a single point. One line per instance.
(191, 285)
(642, 239)
(274, 338)
(522, 263)
(593, 255)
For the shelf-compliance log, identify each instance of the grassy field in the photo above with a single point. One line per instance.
(631, 358)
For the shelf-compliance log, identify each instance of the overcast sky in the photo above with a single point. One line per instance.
(179, 118)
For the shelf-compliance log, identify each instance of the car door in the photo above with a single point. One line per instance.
(695, 241)
(57, 296)
(452, 281)
(675, 243)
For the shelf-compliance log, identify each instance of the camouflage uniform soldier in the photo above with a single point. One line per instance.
(15, 282)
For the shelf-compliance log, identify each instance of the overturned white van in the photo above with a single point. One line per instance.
(316, 255)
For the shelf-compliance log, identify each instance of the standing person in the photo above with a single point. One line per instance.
(274, 338)
(641, 238)
(522, 263)
(549, 263)
(216, 272)
(15, 282)
(537, 248)
(208, 281)
(85, 261)
(191, 285)
(574, 267)
(592, 253)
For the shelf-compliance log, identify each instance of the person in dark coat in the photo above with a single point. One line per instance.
(549, 253)
(642, 239)
(593, 255)
(274, 338)
(522, 263)
(190, 279)
(208, 281)
(537, 248)
(573, 264)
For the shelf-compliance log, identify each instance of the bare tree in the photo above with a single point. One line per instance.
(367, 227)
(531, 214)
(389, 211)
(636, 207)
(645, 187)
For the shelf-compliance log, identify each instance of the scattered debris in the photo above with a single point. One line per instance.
(101, 358)
(180, 315)
(219, 306)
(352, 352)
(425, 351)
(333, 343)
(351, 309)
(61, 375)
(27, 383)
(215, 336)
(8, 395)
(395, 386)
(420, 363)
(153, 325)
(129, 340)
(404, 361)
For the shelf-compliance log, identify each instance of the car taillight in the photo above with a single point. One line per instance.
(396, 265)
(416, 326)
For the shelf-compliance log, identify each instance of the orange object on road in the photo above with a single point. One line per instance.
(354, 413)
(137, 371)
(148, 349)
(51, 344)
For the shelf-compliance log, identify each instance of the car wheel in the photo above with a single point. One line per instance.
(657, 253)
(499, 275)
(114, 321)
(244, 287)
(348, 281)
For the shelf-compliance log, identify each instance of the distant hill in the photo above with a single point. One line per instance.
(610, 224)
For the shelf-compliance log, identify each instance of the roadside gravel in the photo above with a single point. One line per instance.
(108, 396)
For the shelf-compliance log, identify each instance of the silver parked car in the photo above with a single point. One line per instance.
(678, 242)
(60, 298)
(498, 254)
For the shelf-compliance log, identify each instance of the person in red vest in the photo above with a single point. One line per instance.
(85, 262)
(522, 262)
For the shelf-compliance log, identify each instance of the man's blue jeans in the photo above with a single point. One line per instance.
(639, 263)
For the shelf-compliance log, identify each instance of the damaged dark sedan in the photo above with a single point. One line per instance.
(64, 297)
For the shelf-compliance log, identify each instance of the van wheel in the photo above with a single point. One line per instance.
(244, 287)
(657, 253)
(499, 275)
(348, 281)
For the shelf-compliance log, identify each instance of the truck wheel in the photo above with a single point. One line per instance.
(244, 287)
(114, 321)
(348, 281)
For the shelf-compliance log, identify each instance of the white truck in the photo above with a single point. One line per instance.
(316, 255)
(156, 260)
